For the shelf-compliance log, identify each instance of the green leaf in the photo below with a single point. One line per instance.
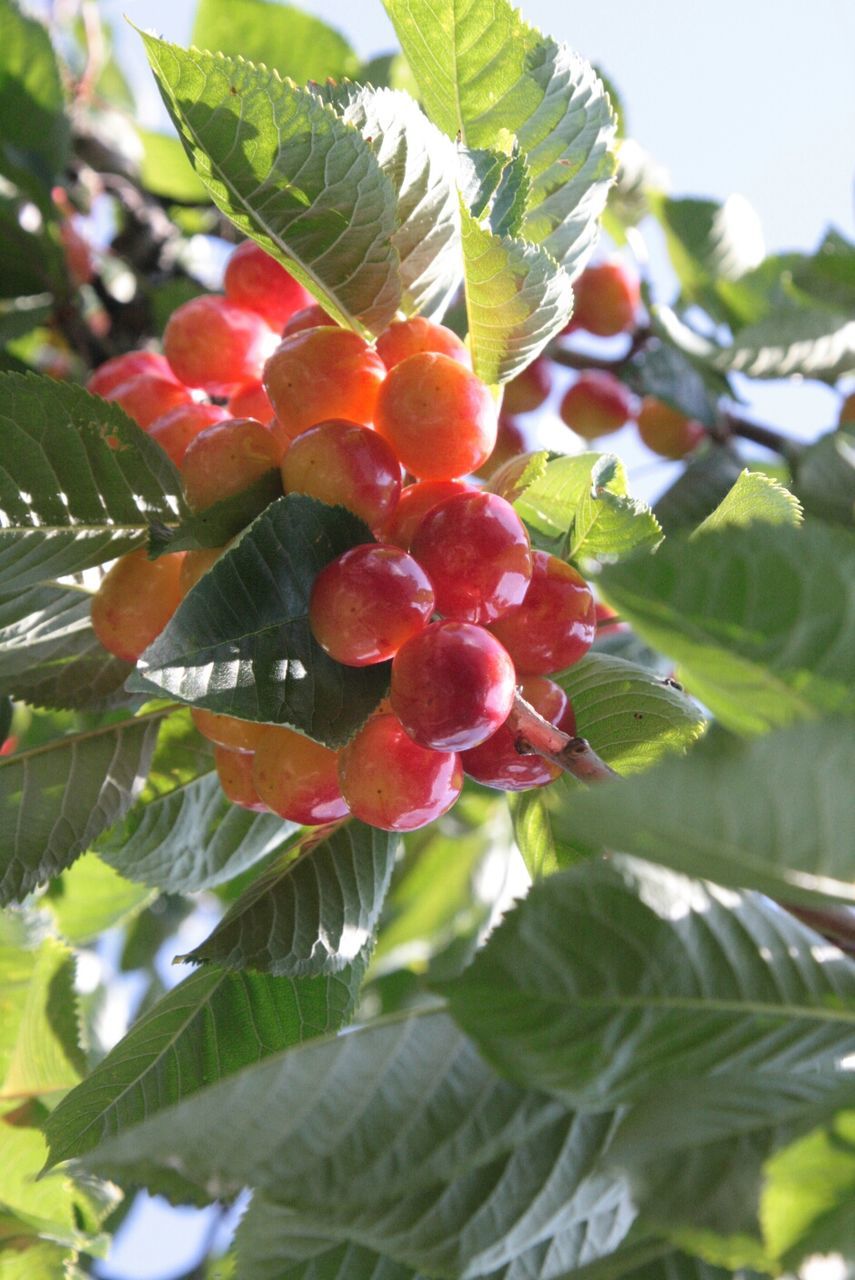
(753, 497)
(809, 1194)
(31, 262)
(91, 898)
(698, 489)
(39, 1051)
(825, 477)
(50, 656)
(310, 912)
(238, 646)
(403, 1141)
(488, 79)
(772, 814)
(36, 134)
(756, 617)
(296, 44)
(55, 799)
(190, 839)
(614, 979)
(216, 525)
(517, 299)
(289, 173)
(209, 1027)
(512, 196)
(708, 241)
(534, 835)
(791, 341)
(78, 481)
(165, 170)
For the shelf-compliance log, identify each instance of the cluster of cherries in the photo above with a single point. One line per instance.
(450, 591)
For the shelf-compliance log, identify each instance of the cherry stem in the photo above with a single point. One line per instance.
(576, 756)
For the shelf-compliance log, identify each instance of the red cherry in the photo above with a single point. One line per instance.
(313, 317)
(346, 465)
(227, 731)
(391, 782)
(251, 401)
(529, 389)
(134, 602)
(410, 337)
(606, 298)
(145, 397)
(112, 373)
(176, 429)
(234, 769)
(298, 778)
(226, 459)
(667, 431)
(596, 404)
(497, 763)
(323, 373)
(415, 502)
(556, 623)
(256, 280)
(212, 343)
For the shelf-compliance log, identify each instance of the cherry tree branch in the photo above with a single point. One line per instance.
(576, 756)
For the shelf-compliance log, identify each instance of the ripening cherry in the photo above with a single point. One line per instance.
(256, 280)
(497, 763)
(415, 502)
(529, 389)
(606, 298)
(145, 397)
(345, 465)
(556, 623)
(367, 602)
(234, 769)
(323, 373)
(847, 410)
(212, 343)
(196, 565)
(227, 731)
(667, 431)
(597, 404)
(226, 459)
(452, 685)
(298, 778)
(250, 401)
(438, 417)
(511, 441)
(112, 373)
(607, 619)
(477, 553)
(411, 337)
(134, 602)
(176, 429)
(313, 317)
(391, 782)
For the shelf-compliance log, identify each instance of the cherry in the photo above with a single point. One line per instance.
(410, 337)
(346, 465)
(391, 782)
(528, 390)
(134, 602)
(847, 410)
(366, 603)
(511, 441)
(212, 343)
(145, 397)
(607, 619)
(556, 622)
(256, 280)
(497, 763)
(452, 685)
(176, 429)
(196, 565)
(596, 404)
(415, 502)
(234, 769)
(477, 553)
(606, 299)
(438, 417)
(226, 459)
(323, 373)
(227, 731)
(667, 431)
(313, 317)
(250, 401)
(112, 373)
(298, 778)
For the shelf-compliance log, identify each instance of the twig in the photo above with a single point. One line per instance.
(835, 923)
(575, 756)
(577, 360)
(733, 424)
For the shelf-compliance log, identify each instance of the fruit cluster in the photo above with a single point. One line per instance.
(450, 591)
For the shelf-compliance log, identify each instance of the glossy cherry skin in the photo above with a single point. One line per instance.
(227, 731)
(345, 465)
(112, 373)
(323, 373)
(606, 298)
(452, 685)
(255, 280)
(145, 397)
(366, 603)
(411, 337)
(556, 623)
(497, 763)
(212, 343)
(298, 778)
(250, 401)
(391, 782)
(667, 431)
(134, 602)
(529, 389)
(175, 431)
(235, 771)
(596, 404)
(311, 317)
(477, 553)
(415, 502)
(226, 459)
(196, 565)
(438, 417)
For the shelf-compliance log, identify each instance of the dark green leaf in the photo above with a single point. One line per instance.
(709, 241)
(78, 481)
(825, 477)
(55, 799)
(6, 713)
(312, 910)
(30, 262)
(297, 44)
(35, 142)
(240, 642)
(793, 341)
(218, 524)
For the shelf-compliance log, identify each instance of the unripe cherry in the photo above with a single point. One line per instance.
(346, 465)
(497, 763)
(410, 337)
(212, 343)
(112, 373)
(438, 417)
(606, 298)
(415, 502)
(667, 431)
(556, 623)
(323, 373)
(452, 685)
(477, 553)
(176, 429)
(227, 731)
(367, 602)
(226, 459)
(596, 404)
(234, 769)
(134, 602)
(145, 397)
(529, 389)
(256, 280)
(391, 782)
(298, 778)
